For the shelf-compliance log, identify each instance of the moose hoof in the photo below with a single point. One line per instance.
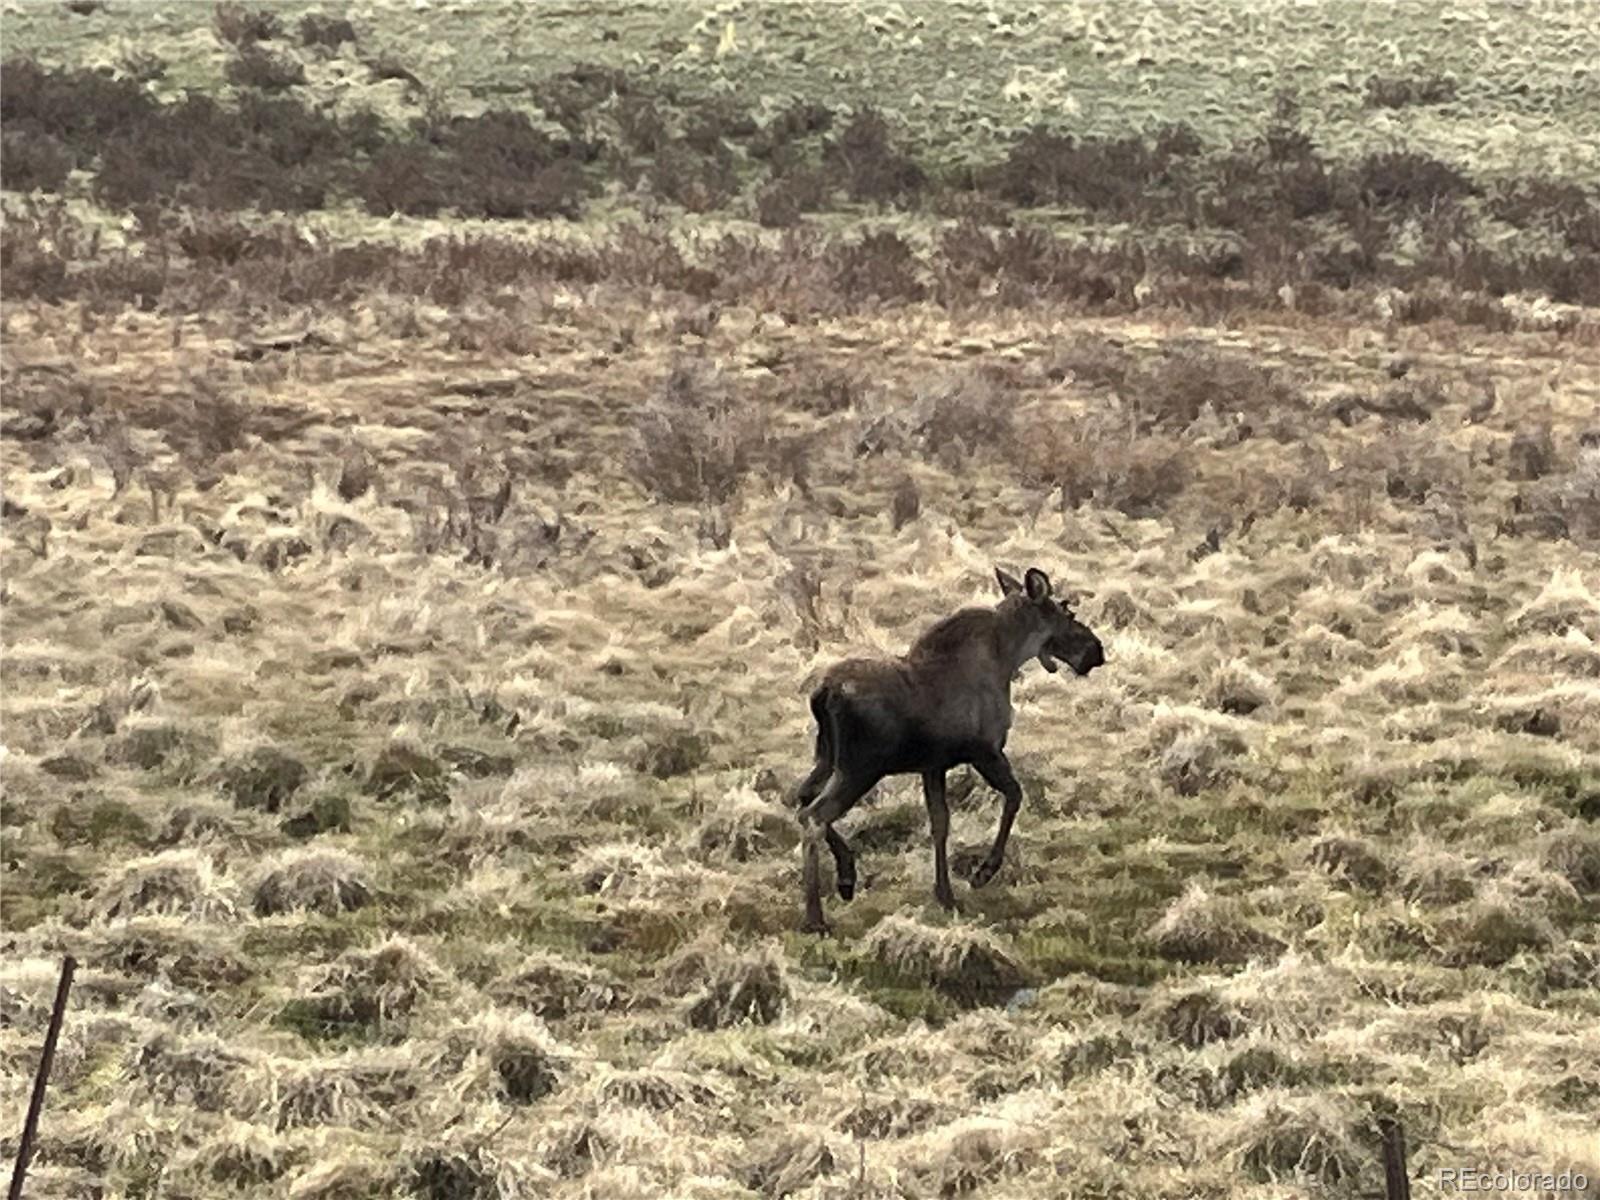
(983, 873)
(947, 900)
(847, 889)
(814, 925)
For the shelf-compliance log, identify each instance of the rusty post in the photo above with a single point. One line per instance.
(31, 1126)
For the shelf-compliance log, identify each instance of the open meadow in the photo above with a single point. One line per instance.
(442, 441)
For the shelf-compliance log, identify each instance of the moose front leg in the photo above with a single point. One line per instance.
(811, 877)
(997, 773)
(939, 823)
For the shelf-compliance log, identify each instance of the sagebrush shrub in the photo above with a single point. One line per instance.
(240, 24)
(1391, 91)
(871, 166)
(1408, 179)
(696, 438)
(317, 29)
(255, 67)
(1101, 461)
(697, 182)
(1123, 174)
(30, 160)
(1172, 392)
(881, 266)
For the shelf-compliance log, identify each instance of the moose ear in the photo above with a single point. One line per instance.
(1008, 584)
(1038, 584)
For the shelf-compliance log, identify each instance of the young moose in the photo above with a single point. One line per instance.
(945, 703)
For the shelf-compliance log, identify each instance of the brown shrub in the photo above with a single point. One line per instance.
(273, 153)
(1249, 191)
(1284, 138)
(410, 179)
(796, 189)
(802, 119)
(905, 504)
(1172, 392)
(1101, 461)
(568, 96)
(1407, 179)
(240, 24)
(1143, 478)
(31, 271)
(1177, 140)
(697, 182)
(466, 513)
(1027, 264)
(30, 160)
(141, 66)
(1047, 167)
(777, 207)
(1092, 361)
(1532, 454)
(881, 266)
(821, 389)
(696, 439)
(1413, 465)
(255, 67)
(971, 257)
(1526, 202)
(1403, 91)
(505, 138)
(1568, 208)
(36, 248)
(222, 239)
(493, 165)
(642, 123)
(317, 29)
(967, 416)
(715, 121)
(1578, 494)
(76, 106)
(871, 166)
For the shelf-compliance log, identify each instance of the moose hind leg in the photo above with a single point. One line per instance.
(816, 818)
(822, 769)
(811, 786)
(997, 773)
(844, 863)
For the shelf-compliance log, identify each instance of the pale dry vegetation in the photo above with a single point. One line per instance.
(406, 637)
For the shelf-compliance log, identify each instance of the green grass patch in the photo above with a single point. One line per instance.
(309, 1021)
(310, 938)
(42, 886)
(1057, 953)
(907, 999)
(98, 822)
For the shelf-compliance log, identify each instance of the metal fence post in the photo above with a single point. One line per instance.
(1397, 1184)
(31, 1125)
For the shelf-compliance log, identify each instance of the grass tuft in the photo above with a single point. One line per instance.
(1202, 927)
(969, 964)
(329, 882)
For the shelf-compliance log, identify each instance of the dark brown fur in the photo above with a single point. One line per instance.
(945, 702)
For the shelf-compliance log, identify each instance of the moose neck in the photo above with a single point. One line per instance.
(1017, 645)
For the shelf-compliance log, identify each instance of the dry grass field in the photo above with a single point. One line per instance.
(420, 529)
